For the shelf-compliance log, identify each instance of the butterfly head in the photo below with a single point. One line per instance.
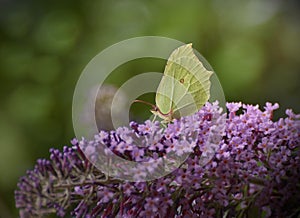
(168, 117)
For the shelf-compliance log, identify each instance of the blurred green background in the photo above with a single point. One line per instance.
(44, 45)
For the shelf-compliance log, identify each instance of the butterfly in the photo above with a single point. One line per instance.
(184, 87)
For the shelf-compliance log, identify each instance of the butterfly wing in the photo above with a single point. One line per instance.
(185, 85)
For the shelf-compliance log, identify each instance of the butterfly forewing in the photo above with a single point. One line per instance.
(185, 85)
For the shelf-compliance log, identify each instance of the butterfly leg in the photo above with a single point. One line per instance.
(154, 118)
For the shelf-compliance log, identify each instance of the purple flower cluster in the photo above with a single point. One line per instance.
(250, 168)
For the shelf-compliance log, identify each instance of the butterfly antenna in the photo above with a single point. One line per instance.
(145, 102)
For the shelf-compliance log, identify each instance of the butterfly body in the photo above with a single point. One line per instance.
(184, 87)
